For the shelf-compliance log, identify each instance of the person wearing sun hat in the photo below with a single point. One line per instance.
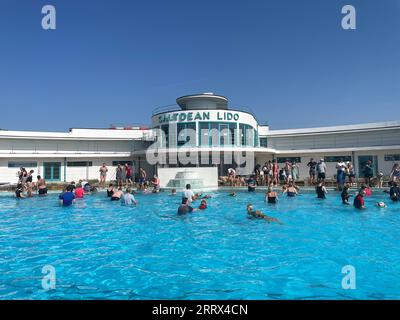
(321, 170)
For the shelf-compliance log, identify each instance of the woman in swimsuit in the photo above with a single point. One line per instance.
(321, 191)
(395, 174)
(110, 190)
(291, 190)
(271, 196)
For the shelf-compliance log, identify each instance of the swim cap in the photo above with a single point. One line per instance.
(381, 204)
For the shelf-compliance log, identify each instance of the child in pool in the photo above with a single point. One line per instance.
(203, 205)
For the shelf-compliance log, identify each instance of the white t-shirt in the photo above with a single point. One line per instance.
(188, 194)
(128, 199)
(341, 166)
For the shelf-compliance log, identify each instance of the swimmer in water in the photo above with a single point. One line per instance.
(271, 196)
(291, 190)
(128, 198)
(19, 192)
(259, 215)
(381, 205)
(110, 190)
(345, 195)
(233, 194)
(117, 195)
(173, 192)
(203, 205)
(185, 207)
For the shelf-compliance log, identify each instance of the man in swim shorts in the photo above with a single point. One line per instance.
(103, 175)
(41, 186)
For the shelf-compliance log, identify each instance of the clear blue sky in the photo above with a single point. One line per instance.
(114, 61)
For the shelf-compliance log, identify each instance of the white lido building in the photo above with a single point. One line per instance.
(190, 126)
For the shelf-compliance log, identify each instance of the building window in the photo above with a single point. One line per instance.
(264, 142)
(249, 136)
(22, 164)
(79, 164)
(186, 134)
(165, 129)
(52, 171)
(337, 158)
(217, 134)
(289, 159)
(256, 140)
(121, 162)
(392, 157)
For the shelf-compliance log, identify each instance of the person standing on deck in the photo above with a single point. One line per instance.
(142, 178)
(295, 172)
(118, 176)
(103, 175)
(275, 172)
(340, 174)
(368, 172)
(128, 175)
(312, 165)
(321, 170)
(350, 172)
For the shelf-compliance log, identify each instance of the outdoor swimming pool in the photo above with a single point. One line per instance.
(102, 250)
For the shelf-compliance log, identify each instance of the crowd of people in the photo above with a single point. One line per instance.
(270, 173)
(26, 186)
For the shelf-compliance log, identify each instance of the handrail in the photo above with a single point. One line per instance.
(167, 108)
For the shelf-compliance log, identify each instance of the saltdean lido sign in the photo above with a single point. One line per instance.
(198, 116)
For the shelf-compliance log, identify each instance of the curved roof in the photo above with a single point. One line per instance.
(202, 101)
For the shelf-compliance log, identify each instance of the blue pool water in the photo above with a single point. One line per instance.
(102, 250)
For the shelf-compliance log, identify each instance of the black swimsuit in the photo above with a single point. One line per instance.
(320, 193)
(18, 193)
(271, 199)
